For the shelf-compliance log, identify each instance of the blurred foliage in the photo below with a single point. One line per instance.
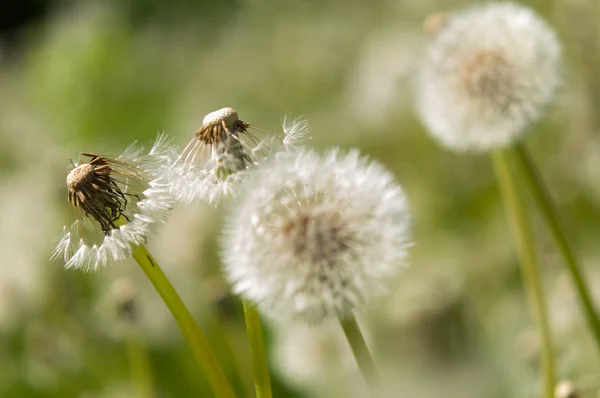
(95, 76)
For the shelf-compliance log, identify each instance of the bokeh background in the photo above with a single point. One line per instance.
(97, 75)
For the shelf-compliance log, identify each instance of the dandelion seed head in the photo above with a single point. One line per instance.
(93, 187)
(489, 73)
(316, 237)
(115, 202)
(212, 166)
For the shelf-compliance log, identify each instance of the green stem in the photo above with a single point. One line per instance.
(361, 353)
(529, 265)
(139, 362)
(542, 197)
(262, 381)
(194, 336)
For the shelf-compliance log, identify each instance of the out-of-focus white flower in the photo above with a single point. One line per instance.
(115, 202)
(565, 389)
(315, 237)
(215, 162)
(317, 359)
(489, 73)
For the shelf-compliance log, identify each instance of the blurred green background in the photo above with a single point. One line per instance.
(95, 76)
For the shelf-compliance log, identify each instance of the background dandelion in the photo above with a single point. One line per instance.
(98, 76)
(489, 73)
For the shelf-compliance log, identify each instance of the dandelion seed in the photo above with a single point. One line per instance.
(216, 160)
(489, 73)
(296, 132)
(316, 237)
(115, 202)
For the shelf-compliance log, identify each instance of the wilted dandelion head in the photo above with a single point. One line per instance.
(489, 73)
(216, 160)
(315, 237)
(93, 187)
(114, 203)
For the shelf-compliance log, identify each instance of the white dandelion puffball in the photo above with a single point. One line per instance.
(215, 162)
(115, 202)
(315, 237)
(489, 73)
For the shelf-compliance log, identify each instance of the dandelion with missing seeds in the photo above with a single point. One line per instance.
(115, 203)
(216, 160)
(316, 237)
(489, 73)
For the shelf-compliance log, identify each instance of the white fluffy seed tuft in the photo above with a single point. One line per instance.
(316, 237)
(489, 73)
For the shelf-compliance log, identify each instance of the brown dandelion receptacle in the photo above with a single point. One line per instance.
(93, 187)
(220, 123)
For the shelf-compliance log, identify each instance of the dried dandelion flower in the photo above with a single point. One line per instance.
(489, 73)
(115, 201)
(316, 237)
(216, 160)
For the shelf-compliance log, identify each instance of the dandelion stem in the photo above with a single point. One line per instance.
(542, 197)
(139, 363)
(194, 336)
(361, 353)
(262, 382)
(529, 265)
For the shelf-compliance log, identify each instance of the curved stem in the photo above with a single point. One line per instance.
(529, 265)
(262, 382)
(542, 197)
(361, 353)
(194, 336)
